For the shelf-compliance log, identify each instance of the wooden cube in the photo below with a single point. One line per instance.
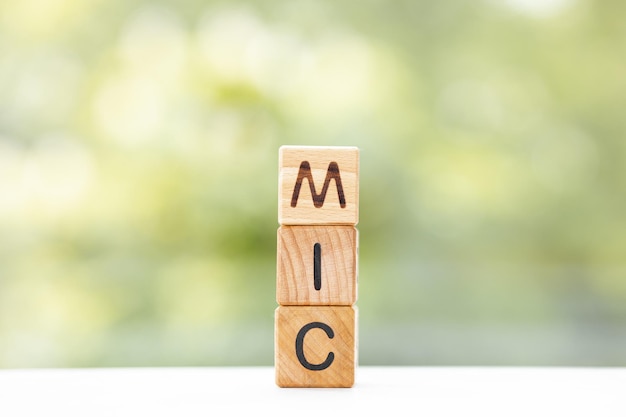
(317, 265)
(315, 347)
(318, 185)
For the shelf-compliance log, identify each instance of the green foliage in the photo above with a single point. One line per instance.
(138, 176)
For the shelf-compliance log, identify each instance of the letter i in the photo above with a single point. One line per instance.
(317, 266)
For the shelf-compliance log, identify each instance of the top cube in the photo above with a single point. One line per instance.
(318, 185)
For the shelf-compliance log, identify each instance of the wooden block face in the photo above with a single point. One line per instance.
(317, 265)
(318, 185)
(315, 347)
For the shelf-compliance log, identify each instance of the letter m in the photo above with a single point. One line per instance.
(318, 199)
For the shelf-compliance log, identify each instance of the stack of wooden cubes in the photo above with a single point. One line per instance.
(316, 341)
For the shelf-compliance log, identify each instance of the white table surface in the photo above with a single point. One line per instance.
(249, 391)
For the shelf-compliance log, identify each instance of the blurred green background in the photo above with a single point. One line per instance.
(139, 159)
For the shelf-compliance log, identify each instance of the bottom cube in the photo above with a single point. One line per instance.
(315, 346)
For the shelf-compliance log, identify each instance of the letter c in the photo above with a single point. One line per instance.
(300, 346)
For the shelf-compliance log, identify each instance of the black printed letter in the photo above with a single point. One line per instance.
(300, 346)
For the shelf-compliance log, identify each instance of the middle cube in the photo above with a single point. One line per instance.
(317, 265)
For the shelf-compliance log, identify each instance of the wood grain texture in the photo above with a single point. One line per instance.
(332, 168)
(338, 271)
(335, 353)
